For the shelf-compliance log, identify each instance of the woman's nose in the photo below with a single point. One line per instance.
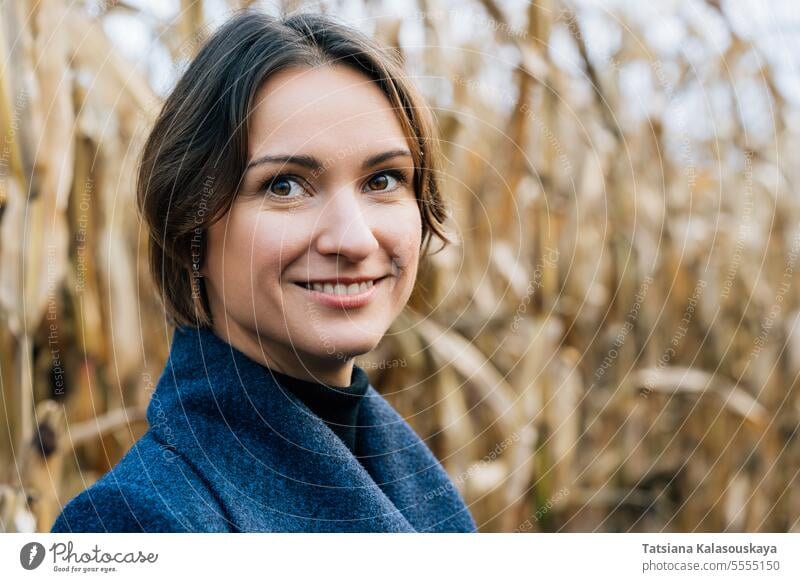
(344, 228)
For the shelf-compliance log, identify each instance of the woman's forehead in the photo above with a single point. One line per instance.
(326, 109)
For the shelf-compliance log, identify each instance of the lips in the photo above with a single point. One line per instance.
(342, 296)
(343, 286)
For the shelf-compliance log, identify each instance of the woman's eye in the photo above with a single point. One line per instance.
(385, 181)
(281, 187)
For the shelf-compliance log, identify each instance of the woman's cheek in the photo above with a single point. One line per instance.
(406, 233)
(273, 242)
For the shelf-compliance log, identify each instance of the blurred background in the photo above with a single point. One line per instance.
(612, 344)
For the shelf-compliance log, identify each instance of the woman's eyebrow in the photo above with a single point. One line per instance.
(316, 164)
(378, 158)
(307, 161)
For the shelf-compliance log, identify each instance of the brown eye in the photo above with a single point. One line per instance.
(282, 187)
(387, 181)
(379, 182)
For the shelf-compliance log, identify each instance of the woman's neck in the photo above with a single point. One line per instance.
(330, 371)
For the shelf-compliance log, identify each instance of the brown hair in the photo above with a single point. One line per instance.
(196, 154)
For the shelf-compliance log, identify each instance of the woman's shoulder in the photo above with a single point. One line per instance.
(150, 490)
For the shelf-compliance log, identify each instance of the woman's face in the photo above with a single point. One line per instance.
(328, 202)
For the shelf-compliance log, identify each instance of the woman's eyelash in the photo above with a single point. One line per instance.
(398, 175)
(269, 181)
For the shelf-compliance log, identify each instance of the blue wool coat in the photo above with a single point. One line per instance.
(230, 450)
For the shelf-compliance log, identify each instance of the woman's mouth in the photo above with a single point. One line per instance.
(339, 288)
(340, 294)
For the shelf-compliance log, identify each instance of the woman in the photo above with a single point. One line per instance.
(289, 190)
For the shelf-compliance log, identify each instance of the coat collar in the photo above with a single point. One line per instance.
(275, 466)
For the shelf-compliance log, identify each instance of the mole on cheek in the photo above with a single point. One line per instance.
(403, 252)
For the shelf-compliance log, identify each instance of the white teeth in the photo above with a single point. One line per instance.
(340, 288)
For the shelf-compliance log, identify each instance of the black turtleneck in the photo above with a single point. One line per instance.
(337, 406)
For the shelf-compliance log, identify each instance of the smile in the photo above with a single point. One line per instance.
(341, 295)
(339, 288)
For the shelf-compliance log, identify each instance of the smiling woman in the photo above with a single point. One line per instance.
(347, 236)
(289, 188)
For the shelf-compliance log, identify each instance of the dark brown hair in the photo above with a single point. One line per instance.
(196, 154)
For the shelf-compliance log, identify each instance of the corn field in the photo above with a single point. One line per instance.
(612, 344)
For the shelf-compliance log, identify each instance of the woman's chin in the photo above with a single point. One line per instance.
(344, 348)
